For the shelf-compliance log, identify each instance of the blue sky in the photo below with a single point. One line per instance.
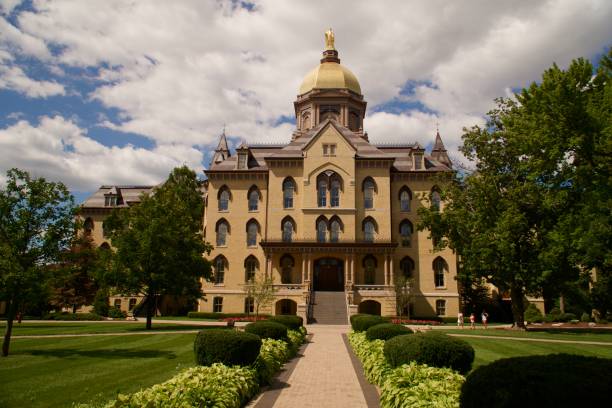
(114, 92)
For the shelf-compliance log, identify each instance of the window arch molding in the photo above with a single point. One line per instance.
(435, 197)
(289, 188)
(369, 264)
(220, 265)
(321, 228)
(253, 229)
(286, 263)
(253, 198)
(222, 229)
(440, 268)
(406, 229)
(251, 266)
(222, 221)
(224, 197)
(329, 185)
(88, 225)
(288, 228)
(405, 198)
(367, 182)
(407, 267)
(369, 189)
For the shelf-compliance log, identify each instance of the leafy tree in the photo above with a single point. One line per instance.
(537, 209)
(261, 289)
(158, 244)
(36, 224)
(74, 284)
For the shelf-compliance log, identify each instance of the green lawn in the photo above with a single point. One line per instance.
(58, 372)
(31, 329)
(602, 337)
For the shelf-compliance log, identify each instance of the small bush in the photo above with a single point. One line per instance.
(226, 346)
(355, 316)
(567, 317)
(585, 318)
(65, 316)
(363, 323)
(292, 322)
(385, 331)
(268, 330)
(219, 316)
(533, 314)
(434, 349)
(116, 313)
(554, 380)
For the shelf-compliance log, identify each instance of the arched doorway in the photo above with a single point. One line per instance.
(370, 307)
(328, 275)
(286, 307)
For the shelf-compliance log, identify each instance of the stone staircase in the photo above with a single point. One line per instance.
(329, 308)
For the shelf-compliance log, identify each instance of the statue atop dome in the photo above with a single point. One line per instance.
(329, 40)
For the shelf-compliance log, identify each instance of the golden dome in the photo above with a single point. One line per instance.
(330, 75)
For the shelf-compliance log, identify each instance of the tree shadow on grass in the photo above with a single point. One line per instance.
(174, 328)
(109, 354)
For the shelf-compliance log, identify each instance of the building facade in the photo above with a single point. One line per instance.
(327, 212)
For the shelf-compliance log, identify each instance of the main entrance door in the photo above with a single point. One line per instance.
(328, 275)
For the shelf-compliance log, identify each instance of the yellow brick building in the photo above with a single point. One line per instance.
(330, 216)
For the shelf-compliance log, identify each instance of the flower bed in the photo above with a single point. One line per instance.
(416, 322)
(410, 384)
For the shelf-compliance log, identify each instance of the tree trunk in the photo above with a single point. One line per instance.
(562, 303)
(10, 315)
(150, 310)
(518, 307)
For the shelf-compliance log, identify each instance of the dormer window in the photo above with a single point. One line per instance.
(110, 200)
(418, 161)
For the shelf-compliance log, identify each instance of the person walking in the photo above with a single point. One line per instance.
(472, 321)
(460, 319)
(485, 318)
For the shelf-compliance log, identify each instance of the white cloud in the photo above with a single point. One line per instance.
(13, 78)
(7, 6)
(59, 150)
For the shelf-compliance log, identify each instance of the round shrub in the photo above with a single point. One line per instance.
(268, 330)
(353, 317)
(585, 318)
(363, 323)
(554, 380)
(226, 346)
(533, 314)
(292, 322)
(431, 348)
(385, 331)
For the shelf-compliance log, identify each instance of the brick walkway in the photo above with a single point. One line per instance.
(323, 377)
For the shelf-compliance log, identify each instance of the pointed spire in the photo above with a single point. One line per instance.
(439, 152)
(438, 145)
(222, 151)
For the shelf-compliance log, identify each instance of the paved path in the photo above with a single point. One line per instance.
(323, 377)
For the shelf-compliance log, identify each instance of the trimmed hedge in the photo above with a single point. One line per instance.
(554, 380)
(292, 322)
(353, 317)
(65, 316)
(268, 330)
(385, 331)
(363, 323)
(218, 316)
(226, 346)
(431, 348)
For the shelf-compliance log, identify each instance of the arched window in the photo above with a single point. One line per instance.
(405, 198)
(369, 229)
(407, 267)
(321, 229)
(286, 263)
(251, 265)
(369, 269)
(288, 227)
(222, 230)
(220, 265)
(288, 190)
(322, 192)
(440, 267)
(334, 193)
(335, 229)
(253, 196)
(406, 233)
(369, 187)
(435, 199)
(224, 197)
(105, 246)
(252, 230)
(88, 226)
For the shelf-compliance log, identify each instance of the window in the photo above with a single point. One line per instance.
(406, 233)
(369, 229)
(253, 199)
(407, 267)
(329, 149)
(368, 193)
(286, 264)
(441, 307)
(220, 265)
(132, 304)
(224, 198)
(405, 198)
(105, 230)
(440, 267)
(88, 225)
(249, 305)
(252, 230)
(322, 193)
(110, 200)
(418, 162)
(287, 227)
(321, 230)
(250, 268)
(217, 305)
(369, 269)
(242, 160)
(288, 190)
(117, 303)
(335, 229)
(222, 230)
(435, 200)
